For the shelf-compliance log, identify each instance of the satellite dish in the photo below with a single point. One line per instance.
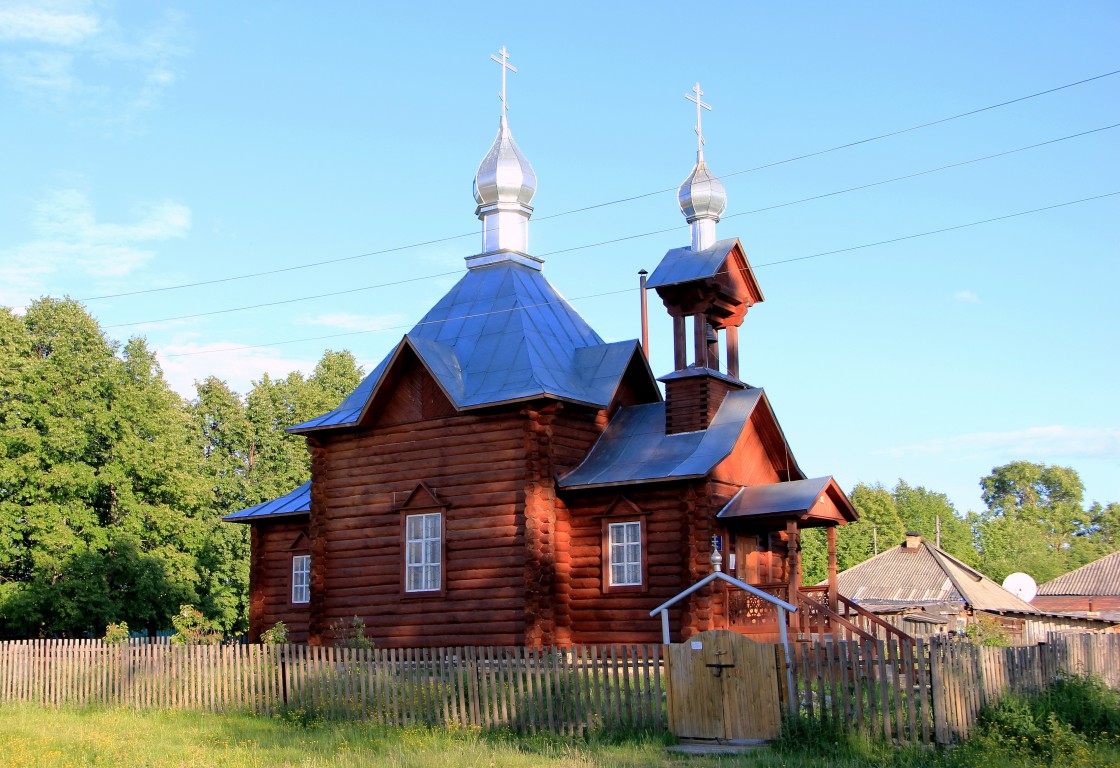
(1021, 585)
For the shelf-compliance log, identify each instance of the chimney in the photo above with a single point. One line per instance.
(913, 540)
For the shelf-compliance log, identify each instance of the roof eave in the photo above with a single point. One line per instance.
(234, 518)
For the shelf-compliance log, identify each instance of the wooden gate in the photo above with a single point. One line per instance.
(723, 686)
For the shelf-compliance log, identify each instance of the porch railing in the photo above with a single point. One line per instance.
(752, 614)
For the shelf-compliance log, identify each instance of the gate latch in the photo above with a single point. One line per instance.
(717, 669)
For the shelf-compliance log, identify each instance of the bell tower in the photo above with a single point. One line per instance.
(707, 289)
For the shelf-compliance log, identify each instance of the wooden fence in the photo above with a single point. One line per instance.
(928, 692)
(931, 691)
(571, 690)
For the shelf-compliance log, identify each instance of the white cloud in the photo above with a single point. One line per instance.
(966, 297)
(186, 361)
(351, 322)
(53, 23)
(70, 239)
(1050, 443)
(67, 53)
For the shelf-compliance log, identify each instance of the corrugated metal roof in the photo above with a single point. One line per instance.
(635, 448)
(683, 264)
(1100, 577)
(977, 589)
(502, 334)
(775, 498)
(294, 502)
(925, 574)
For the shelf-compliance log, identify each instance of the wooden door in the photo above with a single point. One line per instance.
(723, 686)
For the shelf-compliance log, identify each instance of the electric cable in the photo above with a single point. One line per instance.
(627, 290)
(309, 265)
(608, 242)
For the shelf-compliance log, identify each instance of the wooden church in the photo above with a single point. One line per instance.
(507, 477)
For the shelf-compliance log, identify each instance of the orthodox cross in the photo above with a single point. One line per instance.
(699, 104)
(504, 61)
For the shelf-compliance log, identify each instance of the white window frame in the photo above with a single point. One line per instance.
(301, 579)
(423, 565)
(625, 553)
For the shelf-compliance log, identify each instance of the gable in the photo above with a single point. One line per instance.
(407, 393)
(636, 386)
(761, 454)
(421, 497)
(299, 543)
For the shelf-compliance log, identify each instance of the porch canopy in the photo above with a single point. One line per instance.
(812, 503)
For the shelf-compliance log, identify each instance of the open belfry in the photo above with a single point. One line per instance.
(505, 476)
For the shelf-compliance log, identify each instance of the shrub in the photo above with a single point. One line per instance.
(352, 634)
(276, 635)
(117, 634)
(192, 628)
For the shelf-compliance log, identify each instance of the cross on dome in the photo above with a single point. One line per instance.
(504, 62)
(702, 196)
(699, 130)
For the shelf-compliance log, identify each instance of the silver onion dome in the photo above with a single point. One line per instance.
(504, 176)
(702, 195)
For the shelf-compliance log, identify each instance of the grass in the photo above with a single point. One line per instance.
(1076, 724)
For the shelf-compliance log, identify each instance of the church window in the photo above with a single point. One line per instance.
(301, 579)
(625, 554)
(424, 552)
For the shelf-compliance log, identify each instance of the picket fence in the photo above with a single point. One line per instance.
(928, 692)
(570, 690)
(931, 691)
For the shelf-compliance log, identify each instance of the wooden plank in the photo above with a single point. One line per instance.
(597, 677)
(616, 684)
(547, 661)
(648, 719)
(513, 687)
(884, 693)
(922, 653)
(586, 711)
(628, 697)
(895, 663)
(462, 695)
(518, 691)
(909, 685)
(472, 685)
(833, 659)
(486, 687)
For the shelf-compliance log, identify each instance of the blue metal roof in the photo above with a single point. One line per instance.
(501, 334)
(775, 498)
(634, 448)
(683, 264)
(297, 502)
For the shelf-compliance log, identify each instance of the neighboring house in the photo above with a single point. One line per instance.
(1091, 590)
(506, 477)
(924, 590)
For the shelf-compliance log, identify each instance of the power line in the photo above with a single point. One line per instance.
(621, 239)
(435, 241)
(841, 146)
(286, 301)
(627, 290)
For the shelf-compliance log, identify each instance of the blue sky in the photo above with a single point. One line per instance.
(148, 145)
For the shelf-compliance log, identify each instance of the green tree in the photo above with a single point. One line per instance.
(921, 511)
(1034, 521)
(99, 500)
(279, 461)
(879, 521)
(878, 526)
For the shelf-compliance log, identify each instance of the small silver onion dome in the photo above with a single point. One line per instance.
(702, 195)
(504, 176)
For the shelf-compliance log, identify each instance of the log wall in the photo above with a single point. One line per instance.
(475, 464)
(270, 577)
(506, 562)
